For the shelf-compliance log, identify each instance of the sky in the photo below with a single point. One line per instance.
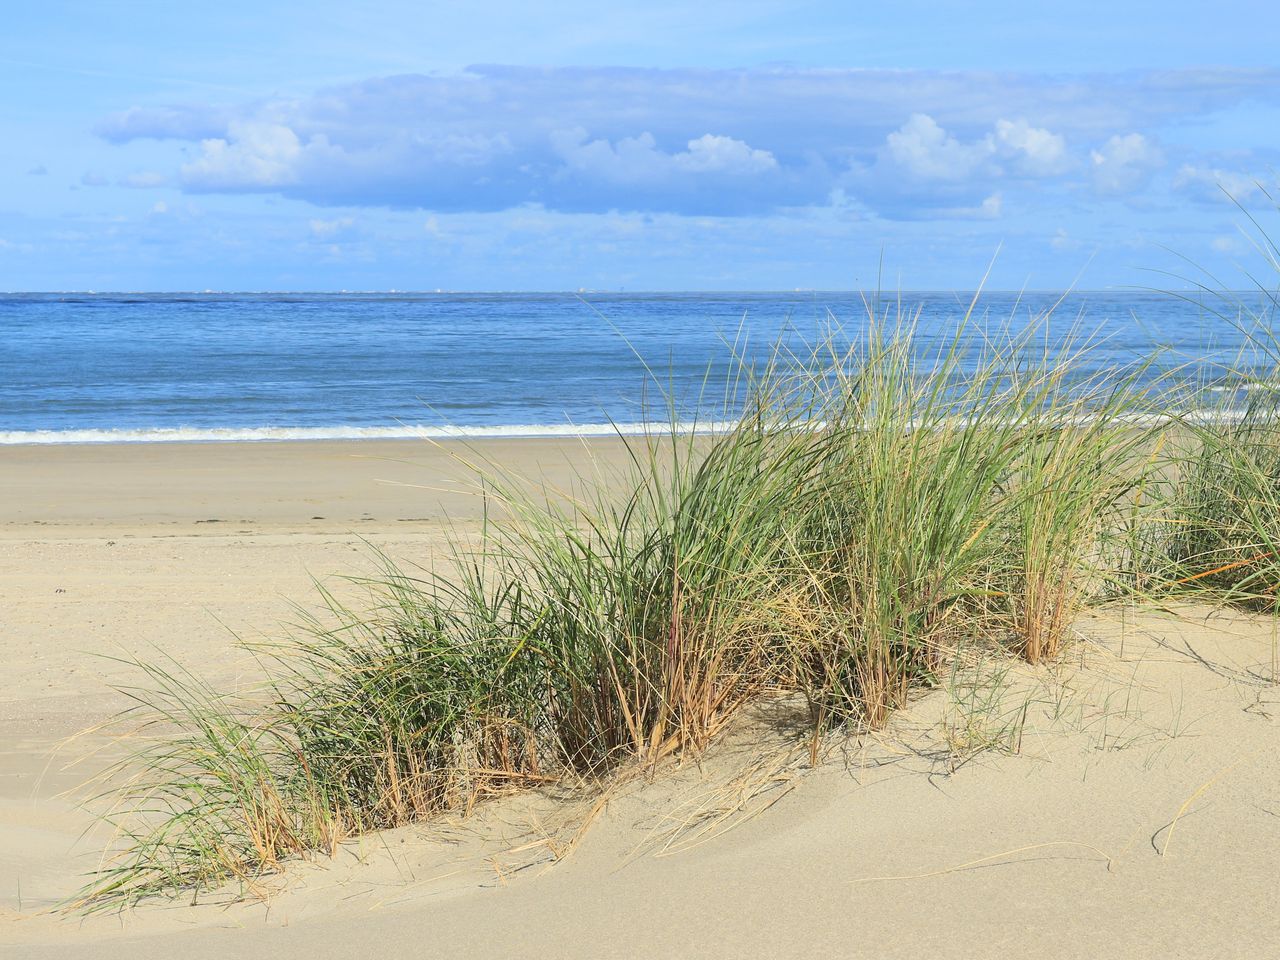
(741, 145)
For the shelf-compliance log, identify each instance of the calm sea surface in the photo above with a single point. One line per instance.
(99, 367)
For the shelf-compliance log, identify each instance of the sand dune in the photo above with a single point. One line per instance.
(1122, 804)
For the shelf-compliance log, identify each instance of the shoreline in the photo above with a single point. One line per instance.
(514, 433)
(357, 434)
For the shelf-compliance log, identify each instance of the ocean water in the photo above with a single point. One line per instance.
(153, 367)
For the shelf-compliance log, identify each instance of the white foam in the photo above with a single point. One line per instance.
(396, 432)
(1246, 386)
(498, 432)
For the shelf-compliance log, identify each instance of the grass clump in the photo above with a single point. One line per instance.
(1220, 521)
(1078, 464)
(1224, 507)
(893, 538)
(874, 505)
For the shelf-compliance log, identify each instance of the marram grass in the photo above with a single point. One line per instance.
(875, 507)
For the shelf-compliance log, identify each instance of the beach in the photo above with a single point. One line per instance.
(117, 549)
(1135, 817)
(179, 552)
(584, 482)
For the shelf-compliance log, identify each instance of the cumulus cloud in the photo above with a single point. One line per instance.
(1124, 164)
(251, 156)
(639, 159)
(1034, 151)
(711, 142)
(924, 170)
(923, 149)
(716, 154)
(1215, 184)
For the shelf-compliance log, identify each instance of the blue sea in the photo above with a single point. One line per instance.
(201, 367)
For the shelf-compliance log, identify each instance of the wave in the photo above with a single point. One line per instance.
(396, 432)
(515, 431)
(1247, 386)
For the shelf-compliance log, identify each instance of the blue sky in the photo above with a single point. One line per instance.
(742, 145)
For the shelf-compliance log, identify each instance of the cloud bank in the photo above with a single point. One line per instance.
(903, 144)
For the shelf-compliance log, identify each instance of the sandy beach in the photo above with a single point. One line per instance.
(110, 553)
(119, 549)
(1127, 809)
(656, 481)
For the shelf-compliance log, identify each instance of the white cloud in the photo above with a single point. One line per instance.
(922, 148)
(253, 155)
(630, 159)
(1036, 151)
(706, 142)
(1124, 164)
(1217, 184)
(925, 150)
(990, 208)
(716, 154)
(638, 159)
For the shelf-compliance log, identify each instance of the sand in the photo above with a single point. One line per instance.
(1128, 806)
(114, 552)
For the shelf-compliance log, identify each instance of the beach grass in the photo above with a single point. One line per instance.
(1212, 527)
(1222, 514)
(876, 504)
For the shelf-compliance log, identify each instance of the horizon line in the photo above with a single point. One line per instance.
(1112, 288)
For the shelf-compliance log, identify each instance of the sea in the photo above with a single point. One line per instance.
(110, 367)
